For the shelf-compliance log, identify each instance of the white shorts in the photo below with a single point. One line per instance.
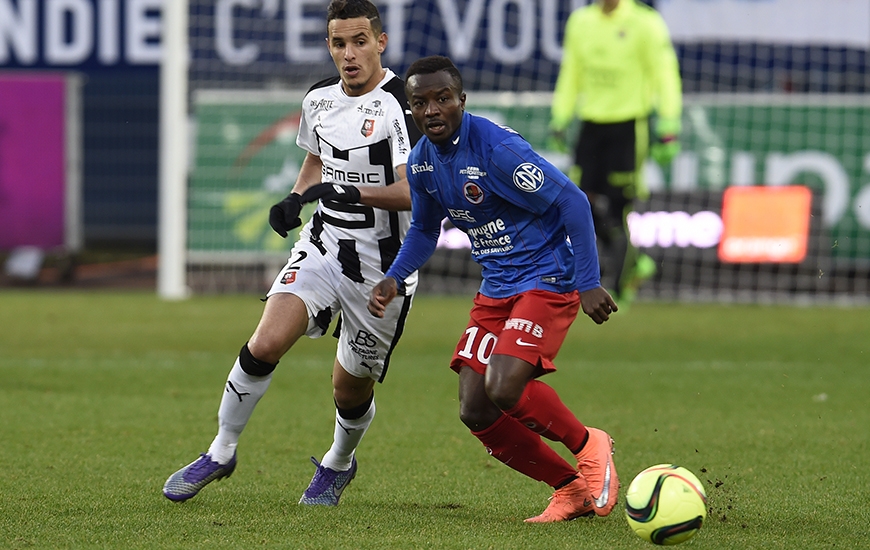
(365, 342)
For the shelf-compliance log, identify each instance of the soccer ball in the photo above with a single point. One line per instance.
(665, 504)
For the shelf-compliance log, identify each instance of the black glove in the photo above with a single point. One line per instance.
(331, 192)
(284, 216)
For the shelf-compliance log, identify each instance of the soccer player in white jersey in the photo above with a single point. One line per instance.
(358, 133)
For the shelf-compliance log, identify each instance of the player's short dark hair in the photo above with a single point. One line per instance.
(351, 9)
(433, 64)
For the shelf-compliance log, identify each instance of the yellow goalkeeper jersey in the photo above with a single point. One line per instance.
(617, 67)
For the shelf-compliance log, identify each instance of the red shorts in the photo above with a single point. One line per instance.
(530, 326)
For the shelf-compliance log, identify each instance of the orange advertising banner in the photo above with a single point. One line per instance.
(765, 224)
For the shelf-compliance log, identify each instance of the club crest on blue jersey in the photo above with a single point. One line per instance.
(473, 192)
(368, 127)
(528, 177)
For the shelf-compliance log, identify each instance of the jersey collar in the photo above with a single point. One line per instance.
(457, 139)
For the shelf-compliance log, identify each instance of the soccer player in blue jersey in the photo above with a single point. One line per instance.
(531, 231)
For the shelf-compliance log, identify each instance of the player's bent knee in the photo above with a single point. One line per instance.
(357, 411)
(349, 396)
(503, 393)
(253, 366)
(477, 418)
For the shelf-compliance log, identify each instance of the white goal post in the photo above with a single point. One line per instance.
(173, 157)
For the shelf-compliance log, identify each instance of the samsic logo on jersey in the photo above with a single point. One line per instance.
(367, 128)
(340, 176)
(473, 192)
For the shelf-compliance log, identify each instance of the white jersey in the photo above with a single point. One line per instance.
(360, 141)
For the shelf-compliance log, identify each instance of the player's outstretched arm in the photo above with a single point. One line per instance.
(395, 197)
(331, 191)
(309, 173)
(382, 294)
(598, 304)
(418, 246)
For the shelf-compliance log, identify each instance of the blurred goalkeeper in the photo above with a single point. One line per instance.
(358, 136)
(618, 68)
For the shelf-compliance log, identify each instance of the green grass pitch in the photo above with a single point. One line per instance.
(104, 395)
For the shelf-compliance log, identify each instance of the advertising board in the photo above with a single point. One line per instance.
(32, 160)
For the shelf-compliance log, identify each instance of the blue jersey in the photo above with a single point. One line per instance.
(493, 186)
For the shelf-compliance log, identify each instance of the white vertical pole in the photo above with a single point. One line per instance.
(172, 190)
(73, 216)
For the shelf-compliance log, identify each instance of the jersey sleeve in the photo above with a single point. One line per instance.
(576, 214)
(306, 139)
(525, 178)
(403, 133)
(401, 140)
(422, 237)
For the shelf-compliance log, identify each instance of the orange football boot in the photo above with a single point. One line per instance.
(569, 502)
(595, 462)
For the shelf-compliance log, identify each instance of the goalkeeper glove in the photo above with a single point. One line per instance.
(665, 149)
(667, 143)
(284, 216)
(331, 192)
(557, 142)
